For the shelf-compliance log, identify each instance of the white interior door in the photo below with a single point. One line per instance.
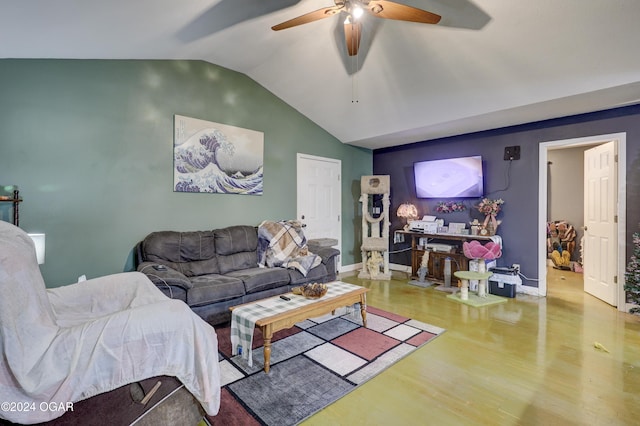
(600, 235)
(319, 196)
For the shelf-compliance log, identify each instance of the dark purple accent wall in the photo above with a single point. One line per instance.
(516, 184)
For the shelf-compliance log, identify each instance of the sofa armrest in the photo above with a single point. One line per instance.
(166, 277)
(327, 254)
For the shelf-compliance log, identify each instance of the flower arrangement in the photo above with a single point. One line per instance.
(490, 207)
(450, 207)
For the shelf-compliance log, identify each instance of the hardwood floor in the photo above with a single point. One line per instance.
(529, 361)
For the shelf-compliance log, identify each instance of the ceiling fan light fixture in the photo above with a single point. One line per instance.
(357, 12)
(385, 9)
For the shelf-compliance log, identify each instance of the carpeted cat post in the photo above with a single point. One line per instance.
(375, 230)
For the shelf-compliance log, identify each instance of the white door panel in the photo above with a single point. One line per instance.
(600, 205)
(319, 196)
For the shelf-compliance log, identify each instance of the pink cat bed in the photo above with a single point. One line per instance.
(475, 250)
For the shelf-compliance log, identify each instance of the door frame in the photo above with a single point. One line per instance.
(338, 163)
(621, 142)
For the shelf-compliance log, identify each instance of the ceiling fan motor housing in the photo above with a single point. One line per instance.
(353, 29)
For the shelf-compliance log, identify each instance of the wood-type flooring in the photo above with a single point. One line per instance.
(530, 361)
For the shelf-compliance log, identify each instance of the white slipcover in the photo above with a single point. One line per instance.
(70, 343)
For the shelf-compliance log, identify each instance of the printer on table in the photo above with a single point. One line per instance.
(427, 225)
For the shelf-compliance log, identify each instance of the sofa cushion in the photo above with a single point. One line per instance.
(236, 239)
(236, 247)
(191, 253)
(259, 279)
(213, 289)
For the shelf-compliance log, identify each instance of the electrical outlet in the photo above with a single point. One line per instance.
(512, 153)
(516, 266)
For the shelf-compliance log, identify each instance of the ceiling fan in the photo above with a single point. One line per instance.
(354, 10)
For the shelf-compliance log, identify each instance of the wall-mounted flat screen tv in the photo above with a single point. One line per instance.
(449, 178)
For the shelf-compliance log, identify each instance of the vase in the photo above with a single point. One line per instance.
(490, 224)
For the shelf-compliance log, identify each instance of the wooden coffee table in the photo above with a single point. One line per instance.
(314, 308)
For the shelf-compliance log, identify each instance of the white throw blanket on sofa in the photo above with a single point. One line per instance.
(70, 343)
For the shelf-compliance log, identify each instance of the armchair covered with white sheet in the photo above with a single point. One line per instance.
(70, 343)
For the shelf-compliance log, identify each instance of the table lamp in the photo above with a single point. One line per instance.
(39, 240)
(407, 211)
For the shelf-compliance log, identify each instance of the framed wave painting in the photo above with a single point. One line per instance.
(216, 158)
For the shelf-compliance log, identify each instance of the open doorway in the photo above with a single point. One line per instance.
(565, 198)
(577, 145)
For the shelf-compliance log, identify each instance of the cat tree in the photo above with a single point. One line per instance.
(375, 230)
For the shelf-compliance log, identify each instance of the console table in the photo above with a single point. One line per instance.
(459, 262)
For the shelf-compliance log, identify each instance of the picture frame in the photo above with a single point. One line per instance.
(212, 157)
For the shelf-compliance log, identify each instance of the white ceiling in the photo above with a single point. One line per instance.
(487, 64)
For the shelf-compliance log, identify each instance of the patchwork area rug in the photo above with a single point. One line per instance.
(312, 365)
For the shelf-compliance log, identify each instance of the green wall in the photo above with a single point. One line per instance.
(89, 144)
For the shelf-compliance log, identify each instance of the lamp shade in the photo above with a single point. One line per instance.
(39, 240)
(407, 210)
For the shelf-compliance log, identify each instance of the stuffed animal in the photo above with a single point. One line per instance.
(562, 233)
(560, 243)
(560, 258)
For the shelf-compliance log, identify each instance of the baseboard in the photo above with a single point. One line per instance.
(527, 289)
(356, 267)
(400, 268)
(349, 270)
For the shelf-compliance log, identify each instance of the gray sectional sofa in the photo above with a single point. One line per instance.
(213, 270)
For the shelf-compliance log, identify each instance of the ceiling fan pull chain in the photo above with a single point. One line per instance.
(354, 83)
(354, 99)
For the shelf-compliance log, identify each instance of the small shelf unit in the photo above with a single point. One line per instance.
(15, 200)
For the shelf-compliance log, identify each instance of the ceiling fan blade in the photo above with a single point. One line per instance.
(390, 10)
(352, 33)
(308, 17)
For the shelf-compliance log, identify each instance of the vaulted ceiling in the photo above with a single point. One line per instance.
(487, 64)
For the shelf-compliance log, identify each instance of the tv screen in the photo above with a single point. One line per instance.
(449, 178)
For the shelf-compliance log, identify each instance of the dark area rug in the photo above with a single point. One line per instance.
(312, 365)
(116, 407)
